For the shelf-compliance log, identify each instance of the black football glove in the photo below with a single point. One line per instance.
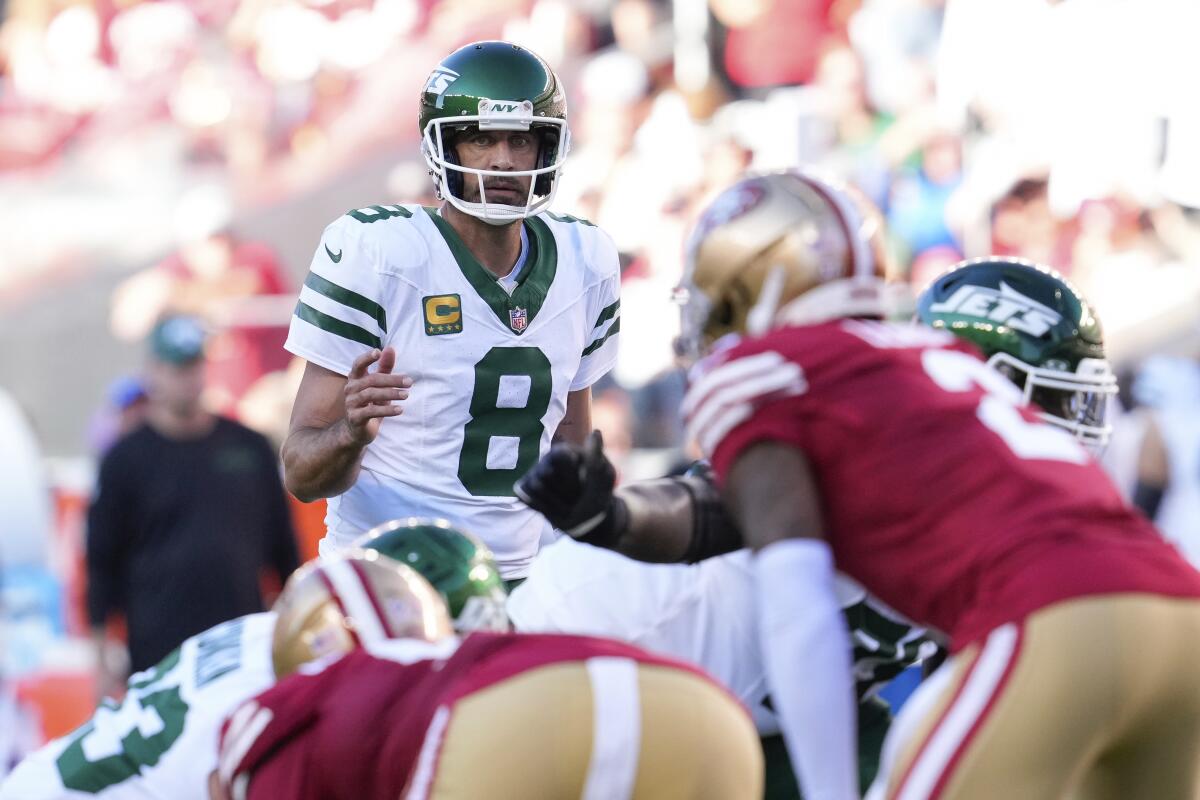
(572, 487)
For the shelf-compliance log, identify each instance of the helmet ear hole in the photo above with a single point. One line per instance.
(722, 314)
(454, 178)
(547, 154)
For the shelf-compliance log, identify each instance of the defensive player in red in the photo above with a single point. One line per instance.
(895, 455)
(492, 715)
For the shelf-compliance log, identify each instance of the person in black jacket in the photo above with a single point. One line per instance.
(189, 509)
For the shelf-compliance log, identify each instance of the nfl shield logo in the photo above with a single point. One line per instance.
(518, 318)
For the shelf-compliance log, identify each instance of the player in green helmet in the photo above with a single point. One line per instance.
(458, 565)
(448, 346)
(484, 88)
(1037, 330)
(800, 422)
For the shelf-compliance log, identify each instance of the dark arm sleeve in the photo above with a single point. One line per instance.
(282, 553)
(107, 534)
(1148, 498)
(670, 520)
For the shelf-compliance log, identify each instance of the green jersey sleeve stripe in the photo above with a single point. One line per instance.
(347, 298)
(336, 326)
(608, 313)
(596, 345)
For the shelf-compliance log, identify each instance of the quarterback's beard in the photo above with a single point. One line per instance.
(516, 195)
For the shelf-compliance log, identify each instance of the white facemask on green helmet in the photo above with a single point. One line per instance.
(494, 87)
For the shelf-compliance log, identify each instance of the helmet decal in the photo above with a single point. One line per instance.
(729, 205)
(1005, 306)
(1037, 330)
(439, 81)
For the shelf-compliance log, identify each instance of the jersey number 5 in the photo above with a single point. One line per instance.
(501, 442)
(956, 371)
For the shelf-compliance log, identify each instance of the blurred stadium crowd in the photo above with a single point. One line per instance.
(184, 154)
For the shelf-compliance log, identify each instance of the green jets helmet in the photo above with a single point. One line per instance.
(458, 565)
(1037, 330)
(496, 86)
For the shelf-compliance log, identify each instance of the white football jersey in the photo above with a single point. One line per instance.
(491, 370)
(160, 743)
(701, 613)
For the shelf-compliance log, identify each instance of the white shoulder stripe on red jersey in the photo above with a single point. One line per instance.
(245, 726)
(728, 372)
(710, 437)
(725, 397)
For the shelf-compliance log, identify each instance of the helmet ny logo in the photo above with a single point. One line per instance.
(1005, 306)
(505, 115)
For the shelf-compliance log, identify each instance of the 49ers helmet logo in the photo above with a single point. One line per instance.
(728, 206)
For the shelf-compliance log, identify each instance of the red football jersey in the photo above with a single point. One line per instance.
(940, 495)
(356, 728)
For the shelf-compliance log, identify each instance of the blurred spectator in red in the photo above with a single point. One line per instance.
(216, 276)
(929, 264)
(775, 42)
(1022, 224)
(188, 515)
(1116, 238)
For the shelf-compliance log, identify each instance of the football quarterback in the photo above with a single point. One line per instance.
(494, 87)
(892, 453)
(447, 346)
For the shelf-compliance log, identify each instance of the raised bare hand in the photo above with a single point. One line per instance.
(373, 396)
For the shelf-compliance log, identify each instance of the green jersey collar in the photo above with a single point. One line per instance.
(515, 311)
